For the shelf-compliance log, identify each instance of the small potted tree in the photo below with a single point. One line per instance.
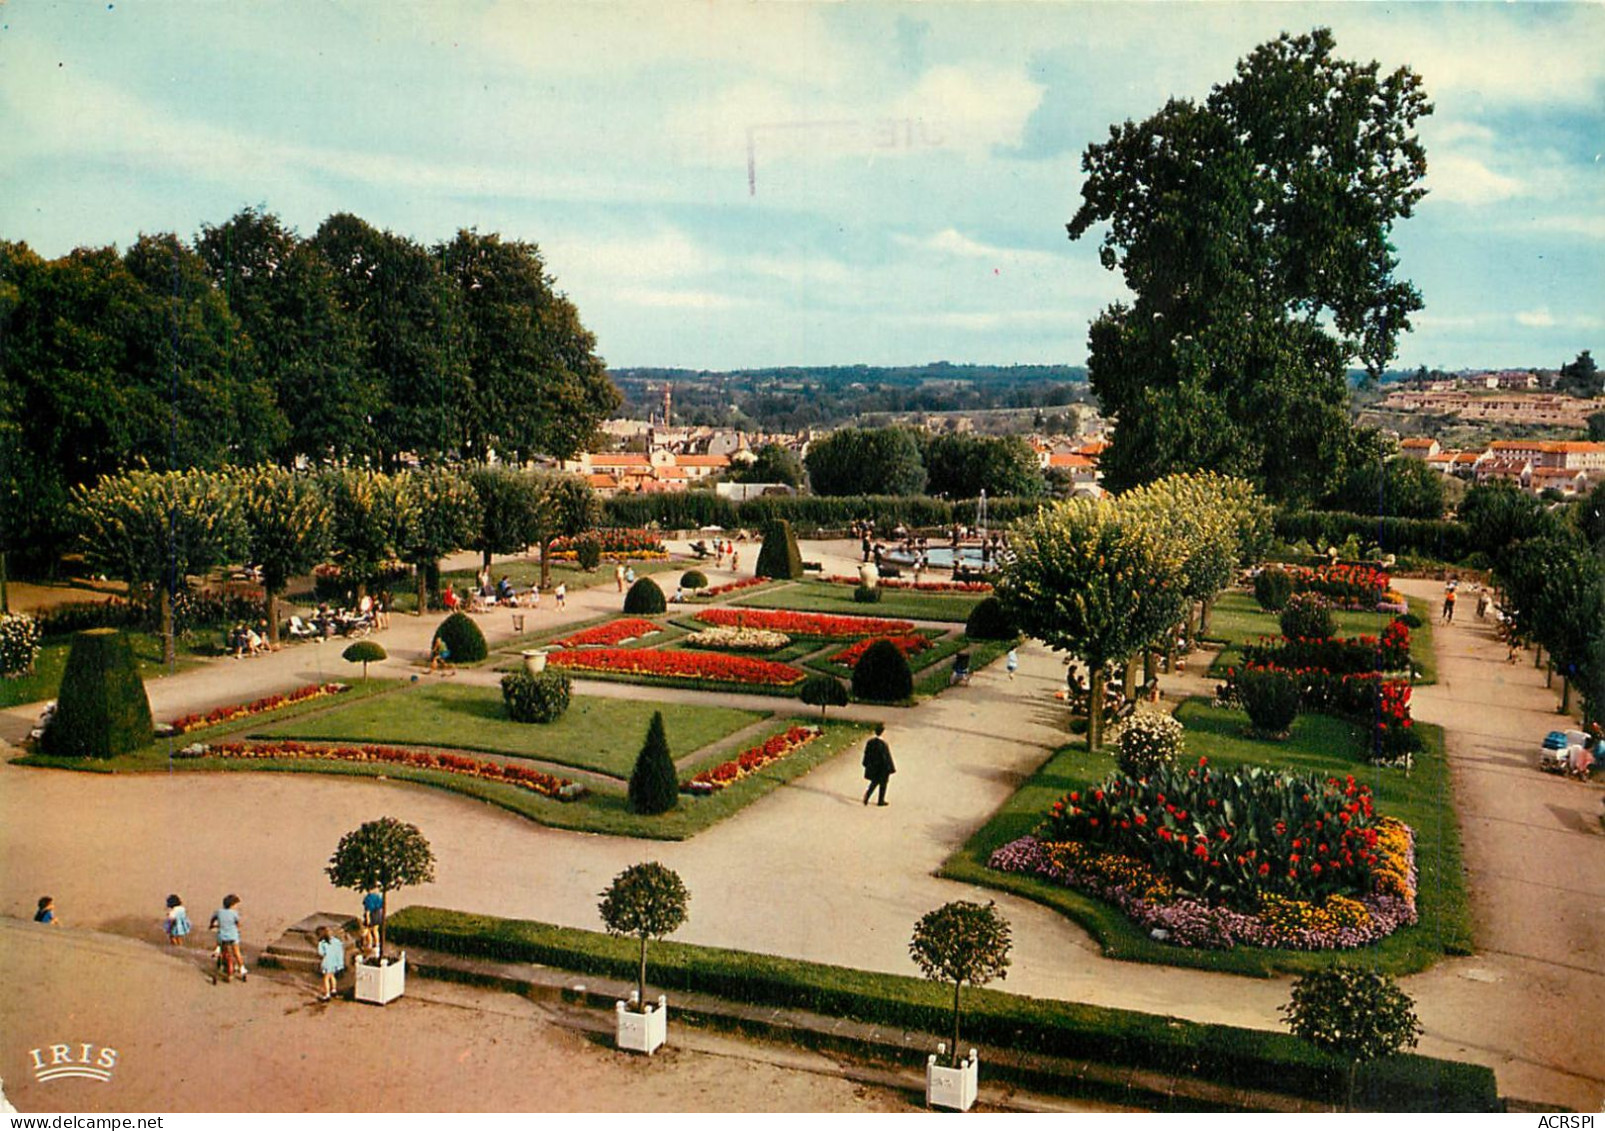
(823, 691)
(384, 856)
(646, 901)
(364, 652)
(959, 942)
(1354, 1014)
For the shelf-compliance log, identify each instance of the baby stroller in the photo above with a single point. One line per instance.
(1558, 754)
(961, 670)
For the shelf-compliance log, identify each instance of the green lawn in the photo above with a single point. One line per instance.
(597, 734)
(1237, 619)
(1318, 743)
(825, 597)
(46, 678)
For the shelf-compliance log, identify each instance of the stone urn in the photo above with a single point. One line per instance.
(868, 575)
(534, 660)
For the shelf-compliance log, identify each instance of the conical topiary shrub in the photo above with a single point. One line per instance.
(654, 787)
(882, 674)
(645, 599)
(464, 641)
(101, 709)
(779, 557)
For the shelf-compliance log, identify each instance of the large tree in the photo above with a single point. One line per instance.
(1581, 377)
(858, 461)
(288, 523)
(439, 516)
(773, 464)
(961, 467)
(1093, 580)
(1253, 231)
(564, 506)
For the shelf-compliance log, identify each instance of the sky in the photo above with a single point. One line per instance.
(724, 185)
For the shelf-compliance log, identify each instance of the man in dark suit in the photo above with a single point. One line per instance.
(878, 767)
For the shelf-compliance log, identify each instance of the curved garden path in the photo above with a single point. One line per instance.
(809, 872)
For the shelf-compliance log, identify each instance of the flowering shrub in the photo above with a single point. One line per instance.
(1231, 838)
(613, 632)
(612, 542)
(1348, 586)
(1307, 616)
(680, 665)
(805, 624)
(1148, 741)
(1270, 697)
(560, 789)
(19, 643)
(906, 643)
(1338, 654)
(186, 723)
(751, 760)
(920, 587)
(1148, 898)
(738, 639)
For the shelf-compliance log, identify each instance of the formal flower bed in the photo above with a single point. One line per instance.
(805, 624)
(920, 587)
(738, 639)
(1346, 586)
(751, 760)
(907, 643)
(1382, 704)
(1340, 655)
(681, 665)
(559, 789)
(186, 723)
(732, 586)
(613, 632)
(614, 542)
(1254, 856)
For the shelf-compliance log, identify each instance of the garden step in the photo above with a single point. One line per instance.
(297, 948)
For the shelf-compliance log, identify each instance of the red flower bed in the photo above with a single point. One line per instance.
(805, 624)
(732, 586)
(185, 723)
(922, 586)
(1350, 586)
(751, 760)
(560, 789)
(614, 542)
(908, 644)
(681, 665)
(612, 632)
(1341, 655)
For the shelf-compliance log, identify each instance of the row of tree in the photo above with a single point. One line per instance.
(155, 530)
(1106, 579)
(251, 344)
(901, 461)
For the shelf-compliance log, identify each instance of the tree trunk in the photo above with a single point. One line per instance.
(1203, 615)
(640, 998)
(1095, 679)
(384, 922)
(486, 559)
(1150, 665)
(546, 563)
(1538, 655)
(1549, 674)
(1565, 696)
(273, 617)
(169, 649)
(1128, 680)
(5, 595)
(957, 985)
(423, 589)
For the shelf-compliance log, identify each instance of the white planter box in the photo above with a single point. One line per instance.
(953, 1088)
(642, 1032)
(382, 984)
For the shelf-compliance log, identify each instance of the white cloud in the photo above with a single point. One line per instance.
(665, 299)
(952, 242)
(1540, 318)
(1459, 179)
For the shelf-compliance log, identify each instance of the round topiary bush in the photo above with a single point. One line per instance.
(101, 709)
(779, 557)
(1271, 699)
(364, 652)
(693, 579)
(867, 595)
(882, 674)
(588, 554)
(464, 641)
(1272, 588)
(645, 599)
(1147, 742)
(536, 698)
(823, 691)
(987, 621)
(1307, 616)
(654, 786)
(1410, 620)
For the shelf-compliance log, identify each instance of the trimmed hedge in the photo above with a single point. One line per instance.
(1440, 539)
(882, 674)
(463, 639)
(1272, 588)
(987, 621)
(645, 599)
(1245, 1058)
(101, 710)
(536, 698)
(687, 510)
(779, 557)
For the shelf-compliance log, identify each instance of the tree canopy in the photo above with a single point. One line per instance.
(866, 461)
(1253, 230)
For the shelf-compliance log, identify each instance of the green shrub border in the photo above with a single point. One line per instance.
(1248, 1058)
